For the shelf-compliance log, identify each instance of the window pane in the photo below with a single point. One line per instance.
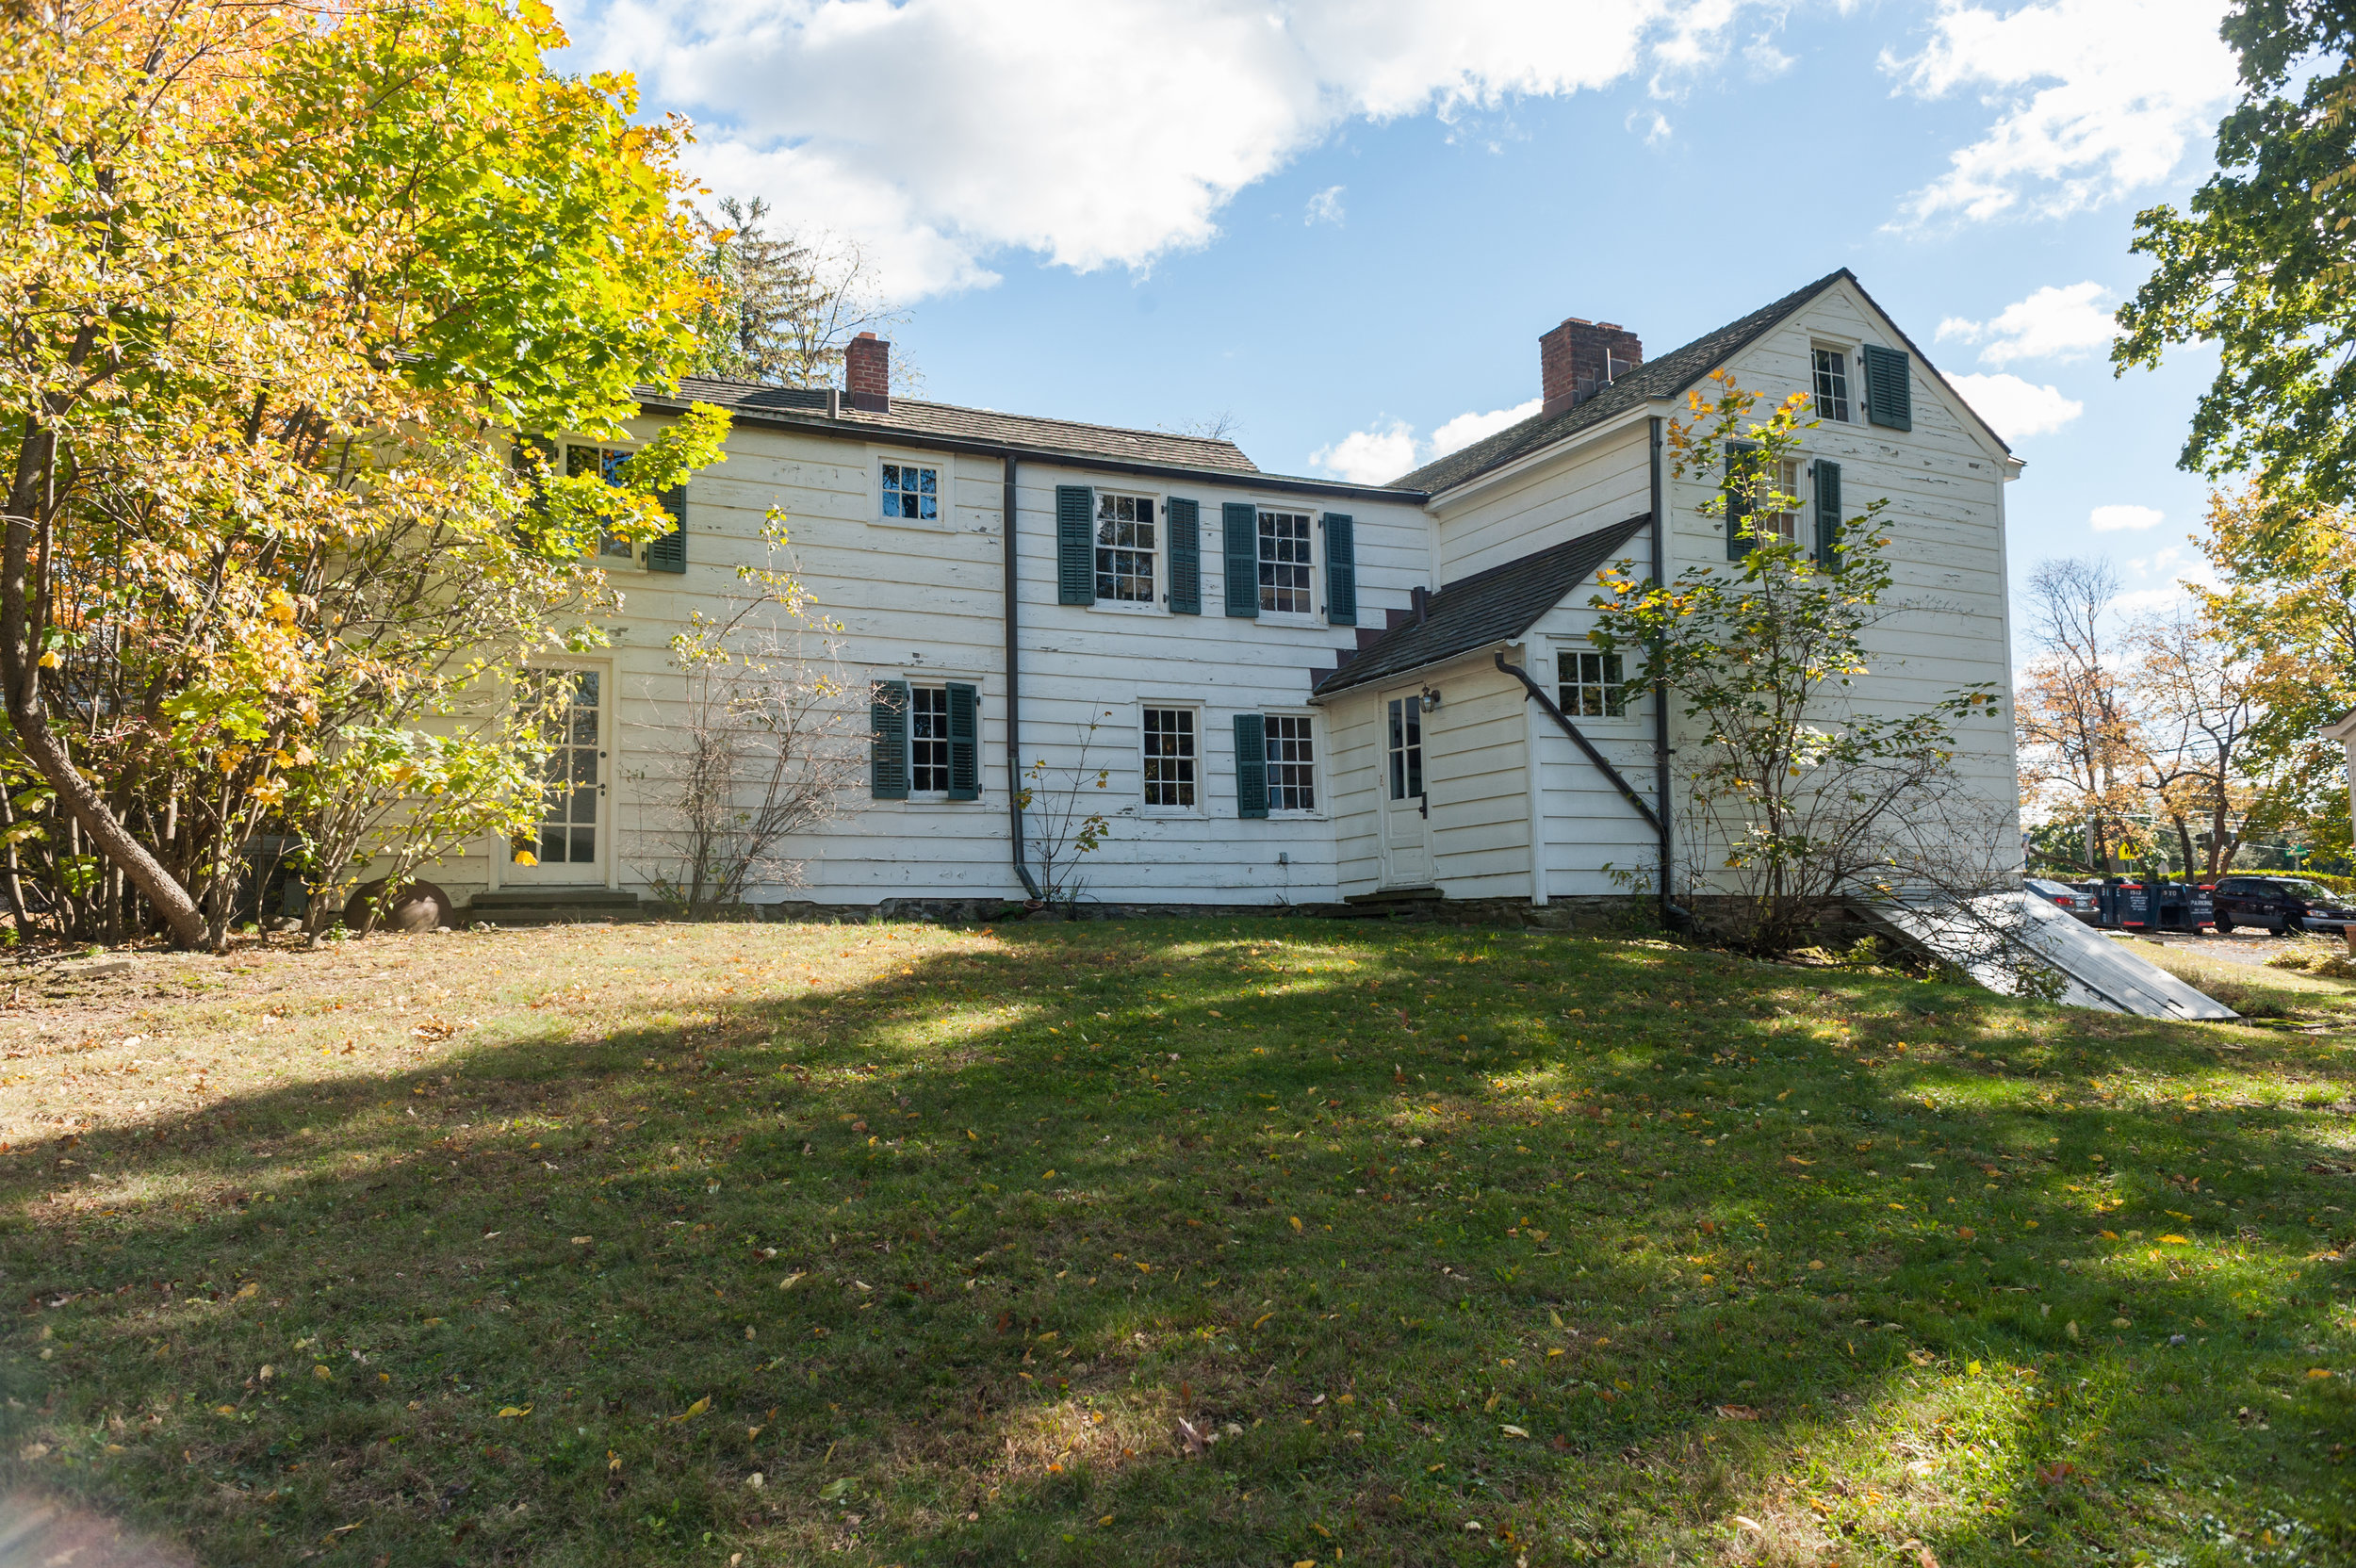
(1291, 771)
(1284, 563)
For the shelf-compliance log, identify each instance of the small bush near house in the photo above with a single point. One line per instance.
(1273, 1241)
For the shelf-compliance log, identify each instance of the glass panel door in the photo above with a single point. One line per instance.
(1406, 813)
(569, 843)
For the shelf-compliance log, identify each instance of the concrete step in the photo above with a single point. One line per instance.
(522, 906)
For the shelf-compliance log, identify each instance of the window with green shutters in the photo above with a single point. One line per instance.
(887, 743)
(1341, 571)
(1239, 524)
(925, 742)
(1250, 765)
(1828, 513)
(1183, 520)
(1888, 387)
(1075, 544)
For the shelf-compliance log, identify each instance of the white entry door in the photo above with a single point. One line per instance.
(572, 845)
(1406, 812)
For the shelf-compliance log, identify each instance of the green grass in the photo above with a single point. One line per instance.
(1468, 1246)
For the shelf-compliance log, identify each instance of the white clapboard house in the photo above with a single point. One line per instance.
(1306, 690)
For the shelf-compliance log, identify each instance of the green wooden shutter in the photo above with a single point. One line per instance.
(1341, 571)
(1251, 761)
(1240, 521)
(1888, 389)
(965, 747)
(1829, 514)
(1075, 544)
(1182, 520)
(669, 553)
(888, 750)
(1739, 483)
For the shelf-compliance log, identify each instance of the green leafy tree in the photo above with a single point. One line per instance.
(1798, 794)
(2260, 263)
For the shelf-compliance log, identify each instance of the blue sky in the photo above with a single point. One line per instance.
(1346, 223)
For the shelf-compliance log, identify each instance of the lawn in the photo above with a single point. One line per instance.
(1267, 1242)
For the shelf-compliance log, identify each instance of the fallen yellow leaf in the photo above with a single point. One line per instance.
(696, 1409)
(508, 1412)
(790, 1280)
(1296, 1219)
(1513, 1431)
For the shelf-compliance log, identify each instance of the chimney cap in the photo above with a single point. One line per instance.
(1578, 322)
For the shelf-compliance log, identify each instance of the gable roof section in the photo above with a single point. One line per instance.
(912, 419)
(1495, 606)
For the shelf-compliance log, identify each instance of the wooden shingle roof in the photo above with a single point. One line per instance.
(1495, 606)
(1665, 377)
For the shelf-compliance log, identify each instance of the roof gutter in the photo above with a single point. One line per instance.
(1013, 617)
(1240, 478)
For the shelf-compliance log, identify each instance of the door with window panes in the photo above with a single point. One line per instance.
(570, 844)
(1406, 810)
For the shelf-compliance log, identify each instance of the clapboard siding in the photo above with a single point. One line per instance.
(926, 603)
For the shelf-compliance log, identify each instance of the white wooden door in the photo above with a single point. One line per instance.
(1406, 811)
(573, 843)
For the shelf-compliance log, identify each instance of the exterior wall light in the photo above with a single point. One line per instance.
(1431, 698)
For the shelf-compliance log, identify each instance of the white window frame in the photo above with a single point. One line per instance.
(1632, 694)
(1156, 600)
(930, 682)
(945, 478)
(1848, 380)
(636, 559)
(1313, 615)
(1202, 760)
(1316, 765)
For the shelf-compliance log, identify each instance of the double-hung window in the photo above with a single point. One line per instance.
(1779, 483)
(1171, 759)
(1284, 542)
(1292, 782)
(928, 740)
(606, 463)
(911, 493)
(1124, 548)
(1832, 385)
(1591, 686)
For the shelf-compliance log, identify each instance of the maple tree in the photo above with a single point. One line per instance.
(277, 287)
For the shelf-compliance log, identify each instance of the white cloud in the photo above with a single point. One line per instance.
(1390, 448)
(1326, 207)
(1466, 429)
(2114, 519)
(2015, 408)
(2096, 98)
(941, 133)
(2052, 323)
(1369, 456)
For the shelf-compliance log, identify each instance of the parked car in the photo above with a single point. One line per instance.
(2281, 905)
(2078, 901)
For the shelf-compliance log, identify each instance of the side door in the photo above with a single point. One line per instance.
(572, 845)
(1406, 810)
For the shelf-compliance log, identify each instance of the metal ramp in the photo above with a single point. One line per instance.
(1989, 936)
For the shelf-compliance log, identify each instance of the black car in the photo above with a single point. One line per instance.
(2281, 905)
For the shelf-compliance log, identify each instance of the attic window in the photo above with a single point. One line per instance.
(1832, 385)
(911, 492)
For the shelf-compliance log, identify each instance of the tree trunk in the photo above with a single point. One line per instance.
(20, 672)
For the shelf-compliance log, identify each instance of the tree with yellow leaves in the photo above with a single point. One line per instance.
(277, 285)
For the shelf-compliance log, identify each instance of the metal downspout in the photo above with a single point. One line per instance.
(1672, 917)
(1014, 682)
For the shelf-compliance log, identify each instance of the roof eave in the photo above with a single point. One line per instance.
(846, 430)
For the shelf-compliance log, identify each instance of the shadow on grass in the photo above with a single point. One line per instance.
(1221, 1241)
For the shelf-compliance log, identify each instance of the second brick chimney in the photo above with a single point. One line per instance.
(867, 372)
(1580, 358)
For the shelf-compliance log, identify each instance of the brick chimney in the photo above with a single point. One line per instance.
(1580, 358)
(867, 372)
